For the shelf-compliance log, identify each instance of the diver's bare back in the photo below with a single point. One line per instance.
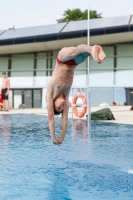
(62, 79)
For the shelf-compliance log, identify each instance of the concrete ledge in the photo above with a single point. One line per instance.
(122, 114)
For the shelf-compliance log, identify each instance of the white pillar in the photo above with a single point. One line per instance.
(44, 104)
(88, 89)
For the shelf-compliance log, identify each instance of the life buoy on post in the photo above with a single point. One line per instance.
(79, 114)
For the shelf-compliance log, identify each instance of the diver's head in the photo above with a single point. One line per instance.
(59, 105)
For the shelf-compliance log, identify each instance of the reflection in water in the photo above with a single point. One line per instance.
(80, 129)
(5, 128)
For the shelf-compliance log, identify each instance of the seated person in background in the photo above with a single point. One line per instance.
(131, 107)
(21, 106)
(114, 104)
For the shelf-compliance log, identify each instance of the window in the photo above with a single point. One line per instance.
(49, 58)
(3, 64)
(41, 64)
(101, 77)
(125, 56)
(22, 65)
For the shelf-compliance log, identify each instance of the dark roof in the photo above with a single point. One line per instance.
(69, 30)
(1, 32)
(32, 31)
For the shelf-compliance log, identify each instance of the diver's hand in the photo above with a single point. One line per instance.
(55, 140)
(58, 141)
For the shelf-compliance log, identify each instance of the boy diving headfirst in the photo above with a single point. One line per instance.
(62, 78)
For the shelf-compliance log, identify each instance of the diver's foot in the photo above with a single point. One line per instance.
(101, 54)
(97, 53)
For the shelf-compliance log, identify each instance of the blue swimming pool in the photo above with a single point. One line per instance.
(86, 166)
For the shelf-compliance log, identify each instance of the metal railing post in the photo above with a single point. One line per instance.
(88, 89)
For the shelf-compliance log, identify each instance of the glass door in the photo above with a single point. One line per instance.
(28, 98)
(37, 98)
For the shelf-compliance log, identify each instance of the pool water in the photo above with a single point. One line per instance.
(93, 166)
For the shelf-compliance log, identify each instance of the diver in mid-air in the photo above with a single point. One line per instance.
(62, 78)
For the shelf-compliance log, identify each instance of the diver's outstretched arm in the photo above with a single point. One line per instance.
(64, 122)
(50, 108)
(65, 118)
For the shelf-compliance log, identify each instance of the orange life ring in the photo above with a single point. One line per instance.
(79, 114)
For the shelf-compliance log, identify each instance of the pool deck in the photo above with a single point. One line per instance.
(122, 114)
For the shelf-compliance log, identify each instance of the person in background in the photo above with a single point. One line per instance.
(131, 107)
(21, 106)
(5, 91)
(114, 104)
(1, 101)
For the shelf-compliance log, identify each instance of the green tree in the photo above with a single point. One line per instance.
(77, 14)
(94, 14)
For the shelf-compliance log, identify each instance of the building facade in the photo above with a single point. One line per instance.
(28, 55)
